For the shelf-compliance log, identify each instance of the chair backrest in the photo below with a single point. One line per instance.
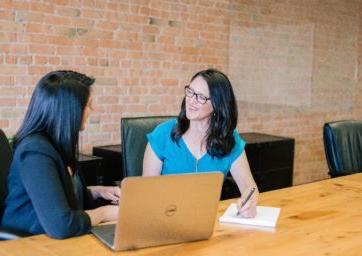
(5, 161)
(134, 141)
(343, 147)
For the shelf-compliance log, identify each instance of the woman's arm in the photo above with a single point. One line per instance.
(40, 176)
(241, 173)
(152, 165)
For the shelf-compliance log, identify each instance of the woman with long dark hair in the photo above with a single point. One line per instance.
(204, 138)
(45, 192)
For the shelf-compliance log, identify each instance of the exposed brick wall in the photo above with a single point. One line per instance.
(143, 52)
(278, 58)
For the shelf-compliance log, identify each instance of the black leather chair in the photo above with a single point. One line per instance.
(5, 161)
(134, 141)
(343, 147)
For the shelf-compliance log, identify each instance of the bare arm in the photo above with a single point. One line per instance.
(151, 164)
(241, 173)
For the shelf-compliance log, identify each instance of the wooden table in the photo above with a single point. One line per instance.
(322, 218)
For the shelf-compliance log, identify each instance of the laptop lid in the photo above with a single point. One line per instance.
(167, 209)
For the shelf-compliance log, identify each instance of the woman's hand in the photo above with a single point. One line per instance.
(241, 173)
(248, 210)
(112, 194)
(103, 214)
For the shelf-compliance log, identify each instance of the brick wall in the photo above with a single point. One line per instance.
(142, 53)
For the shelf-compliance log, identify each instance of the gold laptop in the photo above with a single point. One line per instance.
(164, 210)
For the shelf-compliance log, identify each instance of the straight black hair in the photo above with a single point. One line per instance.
(220, 140)
(56, 111)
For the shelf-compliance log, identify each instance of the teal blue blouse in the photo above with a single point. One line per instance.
(178, 159)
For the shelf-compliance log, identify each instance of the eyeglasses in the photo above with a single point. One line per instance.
(199, 97)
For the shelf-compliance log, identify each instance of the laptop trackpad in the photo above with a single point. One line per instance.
(105, 233)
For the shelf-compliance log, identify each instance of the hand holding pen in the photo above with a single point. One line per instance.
(250, 211)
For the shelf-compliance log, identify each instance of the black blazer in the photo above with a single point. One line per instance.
(41, 197)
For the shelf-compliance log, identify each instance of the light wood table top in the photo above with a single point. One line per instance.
(321, 218)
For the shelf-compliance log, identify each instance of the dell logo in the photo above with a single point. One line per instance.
(170, 210)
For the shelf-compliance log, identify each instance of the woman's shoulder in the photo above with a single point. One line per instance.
(238, 147)
(166, 126)
(36, 143)
(162, 132)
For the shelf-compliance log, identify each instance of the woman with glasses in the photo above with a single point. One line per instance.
(204, 138)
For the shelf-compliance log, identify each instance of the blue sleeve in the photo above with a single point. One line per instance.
(40, 176)
(160, 138)
(238, 147)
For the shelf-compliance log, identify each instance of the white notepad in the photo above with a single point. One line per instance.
(265, 216)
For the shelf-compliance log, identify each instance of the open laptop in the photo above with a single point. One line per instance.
(164, 210)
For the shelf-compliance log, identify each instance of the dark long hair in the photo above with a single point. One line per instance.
(56, 110)
(220, 140)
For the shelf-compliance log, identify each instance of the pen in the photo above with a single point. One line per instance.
(246, 199)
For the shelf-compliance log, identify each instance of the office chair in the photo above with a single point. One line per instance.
(134, 141)
(343, 147)
(5, 161)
